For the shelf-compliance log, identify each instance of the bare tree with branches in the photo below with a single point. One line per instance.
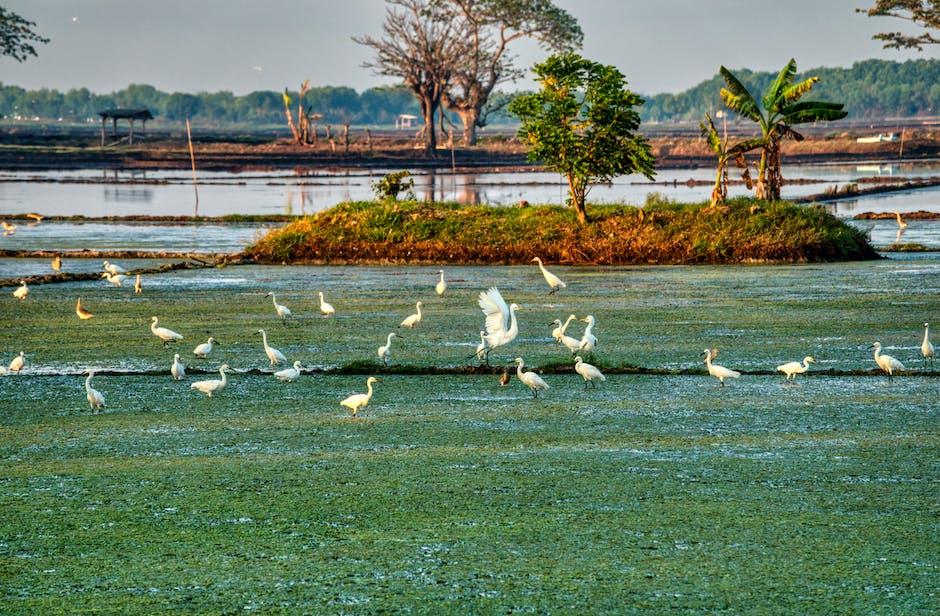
(421, 46)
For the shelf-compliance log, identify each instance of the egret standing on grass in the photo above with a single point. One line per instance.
(325, 308)
(21, 292)
(385, 351)
(288, 374)
(359, 401)
(530, 379)
(273, 354)
(588, 340)
(441, 286)
(18, 362)
(501, 325)
(202, 350)
(413, 319)
(164, 334)
(561, 328)
(553, 281)
(719, 372)
(282, 311)
(926, 347)
(178, 370)
(481, 348)
(95, 397)
(887, 363)
(213, 386)
(793, 368)
(588, 372)
(81, 312)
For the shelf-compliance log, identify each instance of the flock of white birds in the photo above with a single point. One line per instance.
(500, 328)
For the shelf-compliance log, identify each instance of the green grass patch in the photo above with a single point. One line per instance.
(744, 230)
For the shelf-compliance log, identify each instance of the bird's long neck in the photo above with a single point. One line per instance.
(264, 338)
(224, 378)
(926, 334)
(565, 326)
(519, 369)
(153, 326)
(418, 306)
(388, 341)
(877, 353)
(274, 299)
(369, 390)
(88, 382)
(513, 324)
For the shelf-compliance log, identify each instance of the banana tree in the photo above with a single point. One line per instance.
(726, 154)
(781, 110)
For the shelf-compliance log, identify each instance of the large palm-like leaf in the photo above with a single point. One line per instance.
(737, 97)
(780, 85)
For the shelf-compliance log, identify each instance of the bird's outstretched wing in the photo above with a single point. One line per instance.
(496, 311)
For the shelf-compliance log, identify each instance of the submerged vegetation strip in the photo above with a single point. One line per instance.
(741, 231)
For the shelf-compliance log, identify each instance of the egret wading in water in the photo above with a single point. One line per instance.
(501, 325)
(113, 268)
(212, 386)
(553, 281)
(22, 291)
(385, 351)
(178, 370)
(288, 374)
(901, 223)
(326, 309)
(57, 263)
(95, 397)
(441, 285)
(18, 363)
(588, 372)
(8, 228)
(887, 363)
(719, 372)
(530, 379)
(360, 401)
(137, 287)
(926, 347)
(282, 310)
(81, 312)
(115, 279)
(793, 368)
(202, 350)
(273, 354)
(413, 319)
(164, 334)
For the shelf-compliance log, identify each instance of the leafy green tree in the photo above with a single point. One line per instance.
(180, 106)
(782, 109)
(582, 123)
(17, 36)
(726, 153)
(924, 13)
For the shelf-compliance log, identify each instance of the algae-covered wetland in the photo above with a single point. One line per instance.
(660, 490)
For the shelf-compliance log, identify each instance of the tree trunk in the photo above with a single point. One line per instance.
(468, 117)
(577, 189)
(428, 109)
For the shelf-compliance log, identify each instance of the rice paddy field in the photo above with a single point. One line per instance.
(657, 491)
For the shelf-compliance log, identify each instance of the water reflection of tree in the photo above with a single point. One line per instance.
(447, 186)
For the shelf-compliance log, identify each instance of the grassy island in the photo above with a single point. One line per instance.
(743, 230)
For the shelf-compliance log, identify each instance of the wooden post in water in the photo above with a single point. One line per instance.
(192, 158)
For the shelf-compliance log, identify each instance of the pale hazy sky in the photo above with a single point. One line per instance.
(245, 45)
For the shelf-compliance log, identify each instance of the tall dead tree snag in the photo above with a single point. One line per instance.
(304, 127)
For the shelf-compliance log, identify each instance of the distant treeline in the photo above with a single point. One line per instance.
(869, 89)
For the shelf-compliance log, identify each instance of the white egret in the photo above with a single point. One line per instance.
(901, 223)
(413, 319)
(588, 372)
(57, 263)
(81, 312)
(501, 325)
(115, 279)
(553, 281)
(793, 368)
(113, 268)
(561, 328)
(530, 379)
(719, 372)
(325, 308)
(282, 311)
(588, 340)
(926, 347)
(95, 397)
(18, 363)
(572, 344)
(385, 351)
(8, 228)
(273, 354)
(358, 401)
(481, 348)
(288, 374)
(164, 334)
(441, 285)
(212, 386)
(202, 350)
(178, 370)
(36, 218)
(137, 287)
(22, 291)
(887, 363)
